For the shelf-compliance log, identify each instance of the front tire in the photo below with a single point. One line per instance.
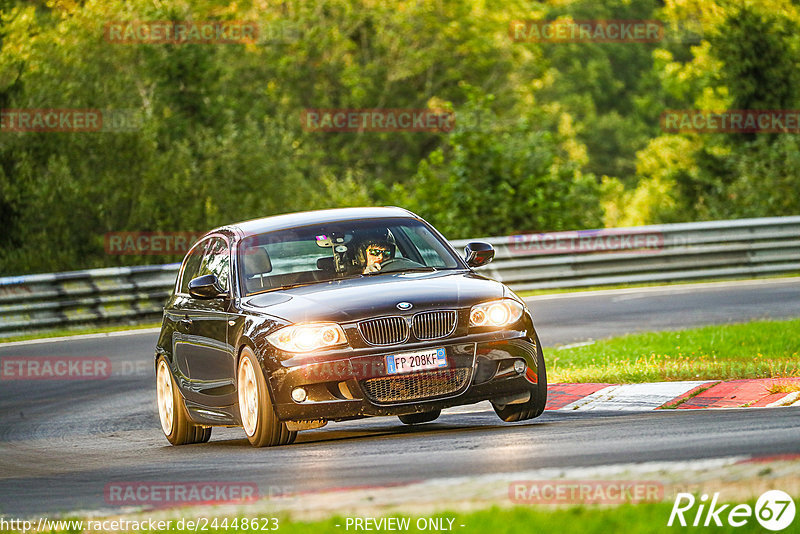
(422, 417)
(259, 420)
(175, 423)
(535, 405)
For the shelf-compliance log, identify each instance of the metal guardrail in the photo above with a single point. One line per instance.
(97, 296)
(657, 253)
(671, 252)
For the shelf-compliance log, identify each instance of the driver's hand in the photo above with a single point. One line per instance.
(372, 268)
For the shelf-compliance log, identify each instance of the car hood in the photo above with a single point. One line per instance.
(358, 298)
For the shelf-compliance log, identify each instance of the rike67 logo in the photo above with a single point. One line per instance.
(774, 510)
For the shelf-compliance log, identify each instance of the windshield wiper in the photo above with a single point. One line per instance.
(422, 268)
(425, 268)
(297, 284)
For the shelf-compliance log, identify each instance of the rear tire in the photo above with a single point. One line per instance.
(259, 420)
(175, 423)
(422, 417)
(202, 434)
(535, 405)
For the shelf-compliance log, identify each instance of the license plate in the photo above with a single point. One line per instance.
(407, 362)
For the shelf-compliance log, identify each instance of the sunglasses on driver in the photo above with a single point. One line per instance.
(379, 252)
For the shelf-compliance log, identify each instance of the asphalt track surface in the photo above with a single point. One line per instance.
(62, 442)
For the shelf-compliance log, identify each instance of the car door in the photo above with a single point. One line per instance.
(201, 344)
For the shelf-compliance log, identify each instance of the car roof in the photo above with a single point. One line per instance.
(304, 218)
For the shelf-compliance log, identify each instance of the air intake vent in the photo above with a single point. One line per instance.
(415, 386)
(434, 325)
(384, 331)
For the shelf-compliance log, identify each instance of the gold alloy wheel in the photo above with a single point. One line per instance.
(165, 398)
(248, 396)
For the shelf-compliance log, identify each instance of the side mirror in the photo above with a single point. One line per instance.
(206, 287)
(478, 253)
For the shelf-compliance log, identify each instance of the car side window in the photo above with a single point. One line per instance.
(191, 266)
(433, 253)
(217, 261)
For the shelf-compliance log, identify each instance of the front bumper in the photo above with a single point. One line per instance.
(337, 389)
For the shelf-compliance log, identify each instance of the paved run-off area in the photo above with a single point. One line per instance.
(64, 442)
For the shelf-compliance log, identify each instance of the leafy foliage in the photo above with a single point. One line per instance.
(548, 136)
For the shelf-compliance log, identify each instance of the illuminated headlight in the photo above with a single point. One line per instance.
(307, 337)
(503, 312)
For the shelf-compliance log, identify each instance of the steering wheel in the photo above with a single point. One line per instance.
(398, 264)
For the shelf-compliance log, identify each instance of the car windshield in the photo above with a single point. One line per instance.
(324, 252)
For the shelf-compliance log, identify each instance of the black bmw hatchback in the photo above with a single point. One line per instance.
(285, 323)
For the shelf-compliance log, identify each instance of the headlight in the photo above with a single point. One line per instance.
(307, 337)
(503, 312)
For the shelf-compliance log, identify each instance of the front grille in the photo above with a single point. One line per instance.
(415, 386)
(434, 325)
(384, 331)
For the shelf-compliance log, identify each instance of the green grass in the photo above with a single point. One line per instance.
(631, 519)
(76, 332)
(759, 349)
(784, 387)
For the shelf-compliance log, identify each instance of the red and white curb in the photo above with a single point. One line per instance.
(686, 395)
(679, 395)
(636, 397)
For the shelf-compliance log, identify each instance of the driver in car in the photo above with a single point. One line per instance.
(374, 252)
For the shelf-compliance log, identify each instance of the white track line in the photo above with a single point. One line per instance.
(676, 288)
(481, 407)
(788, 400)
(80, 337)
